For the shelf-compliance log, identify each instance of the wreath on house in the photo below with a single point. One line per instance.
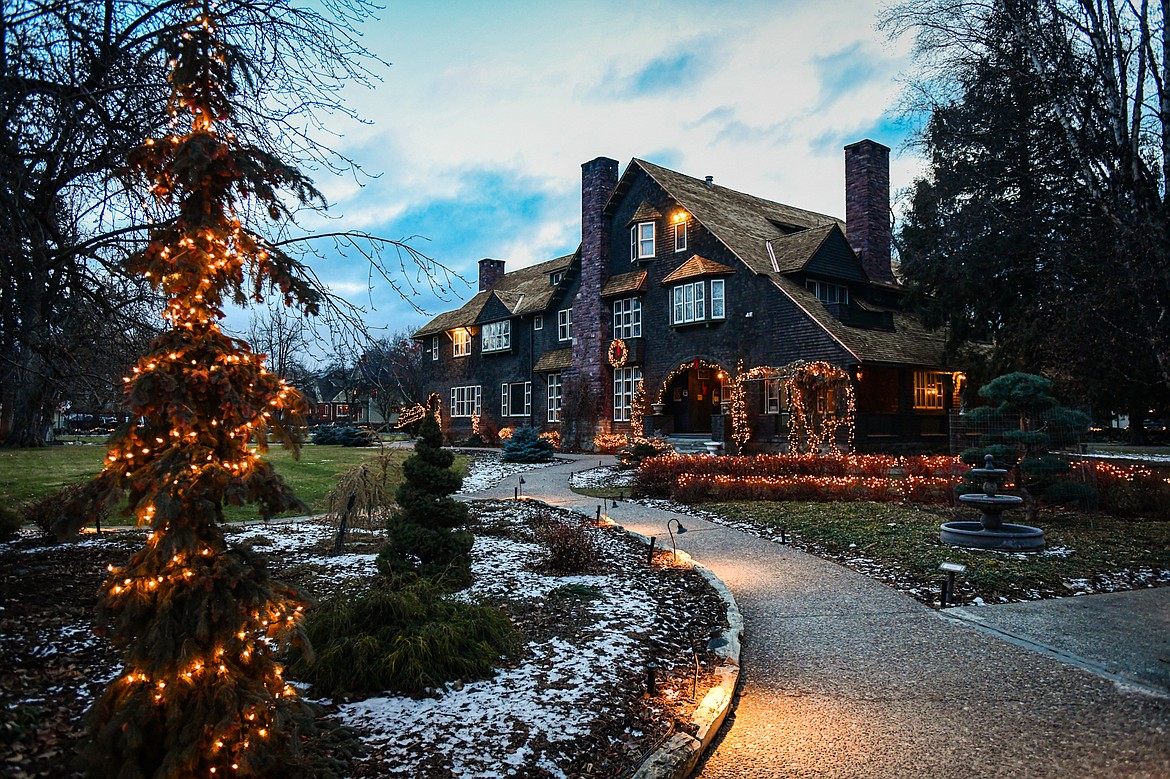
(618, 353)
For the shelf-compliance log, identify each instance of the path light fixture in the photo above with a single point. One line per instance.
(520, 489)
(681, 530)
(948, 587)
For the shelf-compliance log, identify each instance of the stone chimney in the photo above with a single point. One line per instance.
(490, 271)
(867, 206)
(598, 180)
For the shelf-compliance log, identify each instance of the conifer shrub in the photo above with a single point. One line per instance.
(527, 446)
(422, 539)
(571, 546)
(401, 638)
(344, 435)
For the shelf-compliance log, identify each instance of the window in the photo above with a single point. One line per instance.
(690, 303)
(497, 336)
(462, 338)
(928, 390)
(555, 277)
(434, 347)
(680, 236)
(828, 293)
(554, 397)
(717, 310)
(538, 322)
(772, 390)
(565, 324)
(625, 381)
(642, 241)
(627, 318)
(516, 399)
(465, 401)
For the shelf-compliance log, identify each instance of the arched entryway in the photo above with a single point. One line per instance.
(691, 394)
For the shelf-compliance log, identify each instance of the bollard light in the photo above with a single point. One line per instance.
(948, 587)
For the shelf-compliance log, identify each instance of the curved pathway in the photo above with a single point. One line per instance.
(844, 677)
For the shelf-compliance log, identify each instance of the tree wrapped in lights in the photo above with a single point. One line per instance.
(198, 621)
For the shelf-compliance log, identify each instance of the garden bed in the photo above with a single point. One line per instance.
(488, 469)
(570, 705)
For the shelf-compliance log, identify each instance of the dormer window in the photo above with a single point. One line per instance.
(827, 292)
(497, 337)
(642, 241)
(555, 277)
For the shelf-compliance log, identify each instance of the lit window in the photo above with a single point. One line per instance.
(689, 302)
(554, 397)
(625, 381)
(772, 390)
(497, 337)
(538, 322)
(680, 236)
(434, 347)
(462, 338)
(465, 401)
(928, 390)
(828, 293)
(642, 241)
(627, 318)
(555, 277)
(565, 324)
(516, 399)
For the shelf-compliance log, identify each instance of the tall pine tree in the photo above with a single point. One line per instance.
(198, 620)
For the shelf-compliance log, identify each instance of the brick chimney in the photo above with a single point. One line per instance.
(490, 271)
(598, 180)
(867, 206)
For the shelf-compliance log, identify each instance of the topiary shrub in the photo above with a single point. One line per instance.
(632, 456)
(400, 639)
(10, 523)
(571, 546)
(421, 538)
(526, 446)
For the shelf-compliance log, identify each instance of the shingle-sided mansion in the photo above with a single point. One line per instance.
(677, 283)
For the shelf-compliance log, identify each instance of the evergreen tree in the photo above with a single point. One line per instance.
(422, 539)
(198, 621)
(526, 446)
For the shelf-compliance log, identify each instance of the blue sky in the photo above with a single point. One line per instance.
(479, 127)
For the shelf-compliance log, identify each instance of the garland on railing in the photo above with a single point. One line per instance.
(807, 430)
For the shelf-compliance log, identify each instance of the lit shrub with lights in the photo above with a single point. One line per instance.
(527, 446)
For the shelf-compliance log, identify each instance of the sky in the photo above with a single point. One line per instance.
(478, 128)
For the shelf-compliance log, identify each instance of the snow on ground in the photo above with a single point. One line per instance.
(488, 469)
(603, 477)
(528, 717)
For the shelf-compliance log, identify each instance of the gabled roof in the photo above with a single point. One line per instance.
(696, 267)
(523, 291)
(645, 213)
(622, 283)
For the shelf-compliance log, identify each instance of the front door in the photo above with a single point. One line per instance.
(692, 398)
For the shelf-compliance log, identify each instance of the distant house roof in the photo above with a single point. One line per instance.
(624, 283)
(697, 267)
(556, 360)
(522, 291)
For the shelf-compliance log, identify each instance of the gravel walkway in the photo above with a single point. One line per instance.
(844, 677)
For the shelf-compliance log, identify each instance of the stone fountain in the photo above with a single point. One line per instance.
(990, 532)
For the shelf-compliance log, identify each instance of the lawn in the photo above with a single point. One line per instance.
(899, 544)
(31, 473)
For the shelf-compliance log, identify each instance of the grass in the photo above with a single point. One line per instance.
(899, 544)
(31, 473)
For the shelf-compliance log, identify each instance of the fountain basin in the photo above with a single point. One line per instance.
(1015, 538)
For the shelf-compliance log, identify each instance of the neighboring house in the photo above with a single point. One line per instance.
(694, 278)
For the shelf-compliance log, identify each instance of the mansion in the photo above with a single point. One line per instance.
(679, 284)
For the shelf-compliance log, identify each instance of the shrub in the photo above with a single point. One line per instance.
(608, 443)
(553, 437)
(506, 433)
(63, 513)
(10, 523)
(1071, 494)
(400, 639)
(572, 545)
(342, 435)
(526, 446)
(632, 456)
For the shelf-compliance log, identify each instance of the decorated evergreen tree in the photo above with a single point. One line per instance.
(422, 538)
(198, 620)
(526, 446)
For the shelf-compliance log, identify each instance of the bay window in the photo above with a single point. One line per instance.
(497, 337)
(698, 301)
(627, 318)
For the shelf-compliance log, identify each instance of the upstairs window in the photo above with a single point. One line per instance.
(516, 399)
(565, 324)
(434, 347)
(718, 310)
(497, 337)
(680, 236)
(555, 277)
(828, 293)
(642, 241)
(538, 322)
(928, 390)
(462, 339)
(698, 301)
(627, 318)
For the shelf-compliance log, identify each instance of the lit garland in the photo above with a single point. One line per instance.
(610, 442)
(696, 364)
(808, 430)
(410, 415)
(506, 433)
(552, 436)
(638, 409)
(198, 621)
